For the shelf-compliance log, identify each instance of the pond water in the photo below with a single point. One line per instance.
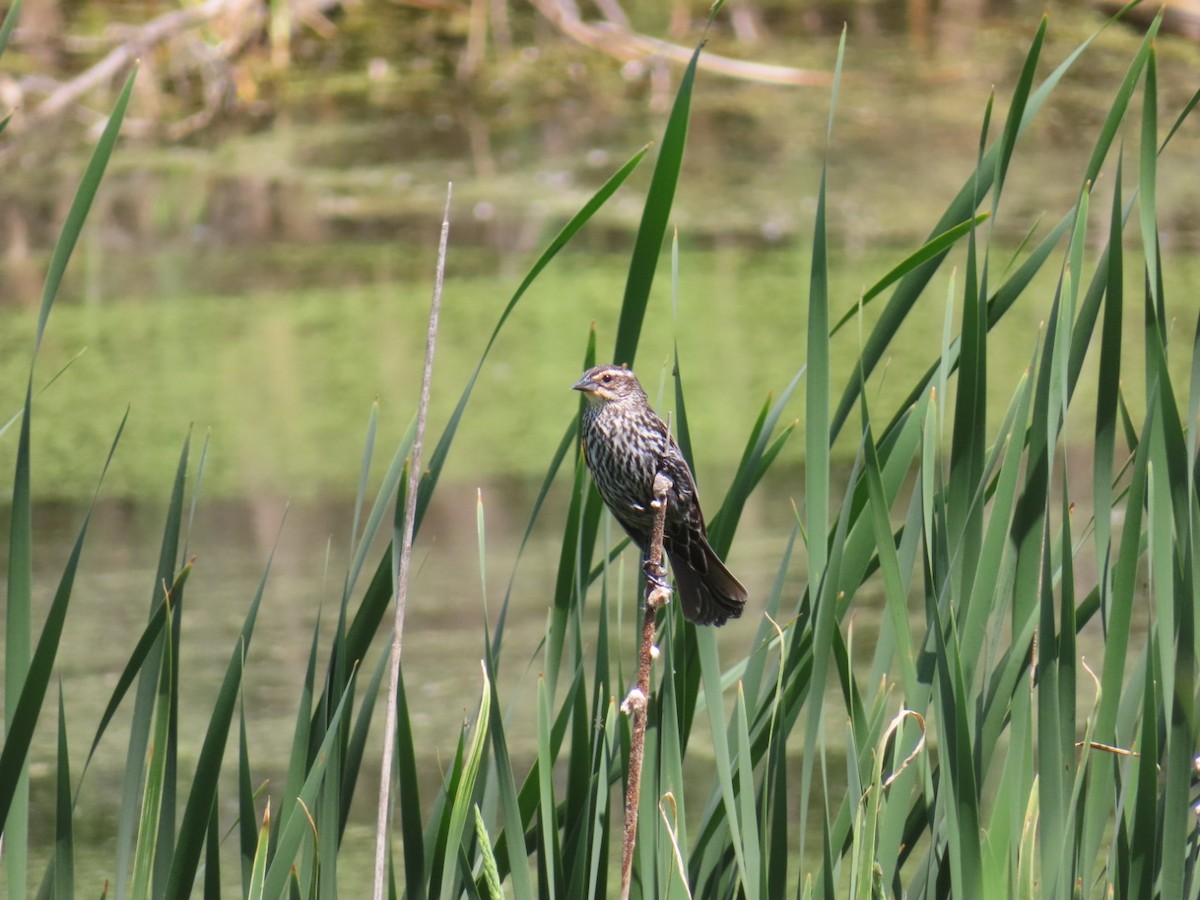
(263, 292)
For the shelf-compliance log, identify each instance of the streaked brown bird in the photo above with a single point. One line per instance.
(626, 444)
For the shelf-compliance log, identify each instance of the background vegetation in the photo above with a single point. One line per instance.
(1021, 723)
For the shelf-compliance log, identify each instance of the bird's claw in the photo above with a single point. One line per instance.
(655, 574)
(656, 578)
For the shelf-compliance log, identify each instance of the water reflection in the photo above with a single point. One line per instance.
(231, 542)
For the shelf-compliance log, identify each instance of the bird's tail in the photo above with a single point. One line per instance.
(708, 591)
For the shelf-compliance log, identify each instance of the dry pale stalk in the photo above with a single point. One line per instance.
(638, 701)
(382, 824)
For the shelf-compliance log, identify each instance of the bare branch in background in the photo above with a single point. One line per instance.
(621, 43)
(238, 24)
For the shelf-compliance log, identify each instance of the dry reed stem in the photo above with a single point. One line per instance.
(638, 701)
(410, 511)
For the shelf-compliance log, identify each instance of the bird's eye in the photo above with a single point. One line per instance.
(606, 378)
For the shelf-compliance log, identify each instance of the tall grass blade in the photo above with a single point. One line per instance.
(936, 246)
(10, 23)
(364, 472)
(356, 745)
(550, 870)
(292, 831)
(208, 765)
(258, 868)
(408, 797)
(18, 632)
(248, 838)
(463, 801)
(63, 872)
(81, 205)
(818, 436)
(816, 423)
(29, 700)
(656, 213)
(513, 840)
(148, 683)
(150, 818)
(383, 500)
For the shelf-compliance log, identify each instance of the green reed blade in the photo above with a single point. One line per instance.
(18, 631)
(150, 816)
(463, 800)
(510, 846)
(408, 796)
(148, 679)
(81, 205)
(297, 768)
(547, 817)
(578, 790)
(364, 472)
(939, 244)
(962, 790)
(762, 446)
(248, 837)
(258, 868)
(818, 388)
(356, 744)
(292, 831)
(383, 501)
(10, 23)
(996, 549)
(203, 792)
(895, 590)
(655, 214)
(18, 638)
(710, 670)
(35, 681)
(64, 831)
(964, 516)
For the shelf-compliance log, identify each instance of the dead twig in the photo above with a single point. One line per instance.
(247, 18)
(638, 701)
(382, 829)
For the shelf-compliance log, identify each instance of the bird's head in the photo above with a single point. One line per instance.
(609, 384)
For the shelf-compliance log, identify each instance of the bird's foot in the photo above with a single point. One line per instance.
(656, 573)
(660, 590)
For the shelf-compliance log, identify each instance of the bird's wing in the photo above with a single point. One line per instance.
(684, 514)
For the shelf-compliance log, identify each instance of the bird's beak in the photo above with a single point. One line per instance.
(586, 385)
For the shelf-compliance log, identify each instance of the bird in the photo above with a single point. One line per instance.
(625, 444)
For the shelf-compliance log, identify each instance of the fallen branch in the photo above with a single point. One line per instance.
(136, 42)
(629, 46)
